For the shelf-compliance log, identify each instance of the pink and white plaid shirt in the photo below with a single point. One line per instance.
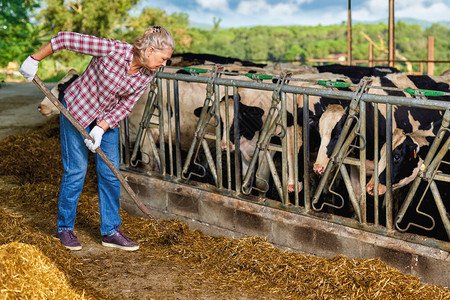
(104, 91)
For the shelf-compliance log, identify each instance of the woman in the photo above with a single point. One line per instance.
(99, 99)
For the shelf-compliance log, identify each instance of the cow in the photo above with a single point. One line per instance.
(409, 151)
(279, 68)
(356, 73)
(46, 107)
(190, 59)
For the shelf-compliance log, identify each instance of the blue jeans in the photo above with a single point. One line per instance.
(75, 160)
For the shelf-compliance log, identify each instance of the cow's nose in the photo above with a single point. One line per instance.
(370, 189)
(319, 169)
(39, 108)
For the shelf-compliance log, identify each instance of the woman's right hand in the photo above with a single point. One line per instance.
(29, 68)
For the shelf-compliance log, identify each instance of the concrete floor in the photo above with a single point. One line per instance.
(18, 107)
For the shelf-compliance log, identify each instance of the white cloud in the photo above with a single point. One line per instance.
(371, 10)
(420, 9)
(263, 13)
(292, 12)
(219, 5)
(252, 7)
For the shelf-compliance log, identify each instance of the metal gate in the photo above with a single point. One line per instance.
(219, 165)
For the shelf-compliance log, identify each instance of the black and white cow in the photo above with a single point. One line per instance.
(356, 73)
(409, 151)
(408, 119)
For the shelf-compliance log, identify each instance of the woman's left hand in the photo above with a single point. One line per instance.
(96, 134)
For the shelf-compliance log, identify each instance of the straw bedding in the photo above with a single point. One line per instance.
(28, 273)
(28, 248)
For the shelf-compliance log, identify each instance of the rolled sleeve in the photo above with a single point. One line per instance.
(121, 110)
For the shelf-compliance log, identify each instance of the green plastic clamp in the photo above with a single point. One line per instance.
(428, 93)
(258, 76)
(195, 70)
(334, 83)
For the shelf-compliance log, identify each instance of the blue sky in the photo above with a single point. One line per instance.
(237, 13)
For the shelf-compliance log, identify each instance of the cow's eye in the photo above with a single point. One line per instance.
(396, 158)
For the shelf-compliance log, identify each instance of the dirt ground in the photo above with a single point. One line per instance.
(115, 273)
(18, 107)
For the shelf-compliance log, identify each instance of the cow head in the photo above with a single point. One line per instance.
(331, 123)
(46, 107)
(408, 153)
(249, 117)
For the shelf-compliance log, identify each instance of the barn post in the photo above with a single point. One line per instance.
(370, 55)
(430, 63)
(349, 33)
(391, 58)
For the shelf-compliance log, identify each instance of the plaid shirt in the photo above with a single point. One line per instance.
(104, 91)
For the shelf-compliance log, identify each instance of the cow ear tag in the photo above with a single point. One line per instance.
(415, 154)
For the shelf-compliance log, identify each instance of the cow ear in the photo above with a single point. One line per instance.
(198, 111)
(230, 97)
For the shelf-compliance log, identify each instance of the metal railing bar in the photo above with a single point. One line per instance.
(375, 164)
(169, 127)
(362, 167)
(237, 143)
(388, 195)
(176, 100)
(344, 95)
(306, 154)
(162, 151)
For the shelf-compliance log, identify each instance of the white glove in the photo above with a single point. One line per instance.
(96, 133)
(29, 68)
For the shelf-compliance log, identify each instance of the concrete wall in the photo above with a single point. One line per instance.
(221, 215)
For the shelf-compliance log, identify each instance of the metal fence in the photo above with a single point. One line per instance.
(220, 167)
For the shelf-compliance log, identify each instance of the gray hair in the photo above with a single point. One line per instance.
(157, 37)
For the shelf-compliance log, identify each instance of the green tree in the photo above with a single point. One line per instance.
(176, 23)
(17, 35)
(97, 17)
(295, 52)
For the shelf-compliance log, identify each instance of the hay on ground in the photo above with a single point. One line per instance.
(26, 273)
